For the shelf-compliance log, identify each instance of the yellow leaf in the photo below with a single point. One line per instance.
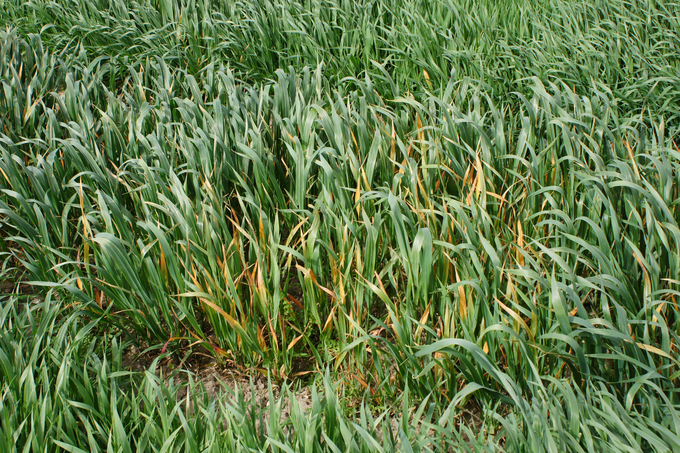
(655, 350)
(261, 231)
(423, 321)
(520, 244)
(164, 268)
(517, 318)
(427, 78)
(232, 322)
(480, 176)
(357, 196)
(295, 340)
(327, 324)
(462, 304)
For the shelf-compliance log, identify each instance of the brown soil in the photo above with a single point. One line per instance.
(218, 380)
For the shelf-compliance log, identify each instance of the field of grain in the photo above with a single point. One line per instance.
(453, 223)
